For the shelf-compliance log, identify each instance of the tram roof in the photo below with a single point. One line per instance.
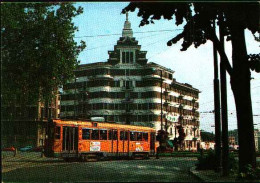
(89, 123)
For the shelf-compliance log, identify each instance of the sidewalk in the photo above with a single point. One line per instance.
(211, 176)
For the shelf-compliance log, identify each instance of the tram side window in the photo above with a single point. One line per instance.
(123, 135)
(103, 134)
(57, 132)
(95, 134)
(133, 136)
(145, 136)
(139, 136)
(86, 134)
(114, 135)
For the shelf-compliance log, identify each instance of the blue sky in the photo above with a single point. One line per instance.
(194, 66)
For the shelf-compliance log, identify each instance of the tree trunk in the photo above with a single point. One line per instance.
(240, 84)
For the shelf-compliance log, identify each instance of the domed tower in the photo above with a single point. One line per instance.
(127, 51)
(127, 31)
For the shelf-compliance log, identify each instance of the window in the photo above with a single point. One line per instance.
(103, 134)
(114, 134)
(86, 134)
(127, 57)
(95, 135)
(133, 136)
(170, 76)
(123, 135)
(145, 136)
(57, 132)
(127, 72)
(139, 106)
(139, 136)
(117, 83)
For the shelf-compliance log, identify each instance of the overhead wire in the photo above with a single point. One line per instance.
(116, 34)
(111, 44)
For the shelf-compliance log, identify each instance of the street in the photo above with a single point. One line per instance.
(31, 167)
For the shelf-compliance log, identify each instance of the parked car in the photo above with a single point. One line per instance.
(9, 149)
(26, 148)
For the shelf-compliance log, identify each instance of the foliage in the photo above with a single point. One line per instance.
(162, 136)
(207, 136)
(199, 26)
(249, 173)
(208, 161)
(254, 62)
(39, 53)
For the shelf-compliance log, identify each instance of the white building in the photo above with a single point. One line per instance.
(128, 89)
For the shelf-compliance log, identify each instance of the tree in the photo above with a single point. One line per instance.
(207, 136)
(233, 19)
(39, 53)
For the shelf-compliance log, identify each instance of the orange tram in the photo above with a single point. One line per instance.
(85, 140)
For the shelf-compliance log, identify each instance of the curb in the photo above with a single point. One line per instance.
(194, 172)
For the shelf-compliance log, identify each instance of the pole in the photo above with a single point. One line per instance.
(224, 111)
(166, 109)
(75, 98)
(217, 110)
(161, 103)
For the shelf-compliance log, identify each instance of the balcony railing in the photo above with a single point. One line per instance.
(129, 88)
(128, 112)
(127, 100)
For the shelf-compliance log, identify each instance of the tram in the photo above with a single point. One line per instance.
(85, 140)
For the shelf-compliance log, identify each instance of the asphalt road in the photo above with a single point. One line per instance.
(30, 167)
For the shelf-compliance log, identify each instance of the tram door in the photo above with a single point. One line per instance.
(152, 142)
(70, 139)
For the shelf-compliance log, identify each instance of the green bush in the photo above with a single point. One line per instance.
(249, 173)
(208, 161)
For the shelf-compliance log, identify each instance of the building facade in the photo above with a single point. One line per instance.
(22, 126)
(233, 134)
(130, 90)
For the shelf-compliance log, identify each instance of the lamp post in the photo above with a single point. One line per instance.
(161, 82)
(75, 97)
(166, 103)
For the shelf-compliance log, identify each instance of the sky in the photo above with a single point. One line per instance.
(101, 24)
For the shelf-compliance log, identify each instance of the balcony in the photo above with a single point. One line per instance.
(128, 112)
(166, 103)
(153, 77)
(127, 100)
(128, 88)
